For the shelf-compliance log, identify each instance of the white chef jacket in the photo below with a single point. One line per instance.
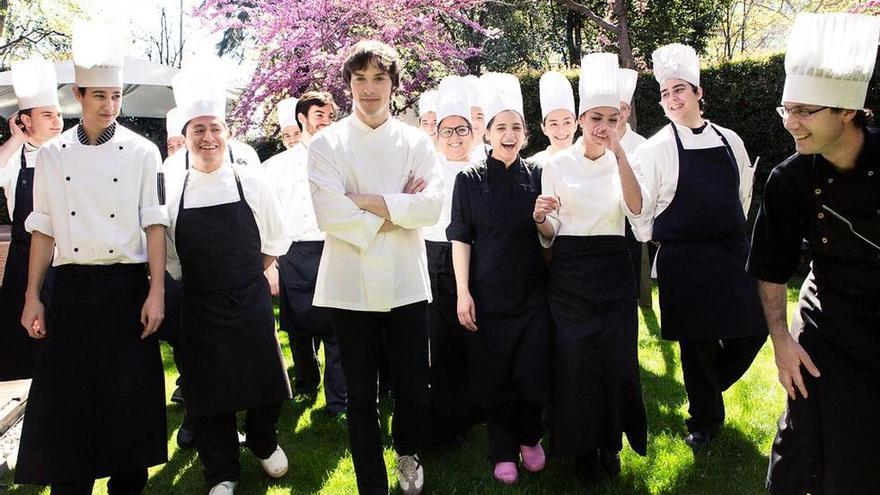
(218, 187)
(478, 154)
(96, 201)
(9, 174)
(243, 153)
(589, 193)
(288, 173)
(631, 141)
(437, 232)
(656, 164)
(362, 269)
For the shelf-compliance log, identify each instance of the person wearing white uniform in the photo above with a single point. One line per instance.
(290, 131)
(38, 120)
(375, 182)
(428, 113)
(558, 120)
(225, 230)
(451, 411)
(297, 271)
(630, 140)
(586, 192)
(478, 117)
(98, 220)
(698, 177)
(174, 140)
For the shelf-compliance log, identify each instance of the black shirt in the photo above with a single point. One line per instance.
(792, 211)
(492, 210)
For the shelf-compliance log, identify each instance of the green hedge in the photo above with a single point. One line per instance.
(741, 95)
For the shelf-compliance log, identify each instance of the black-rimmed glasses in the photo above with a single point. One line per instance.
(799, 112)
(462, 130)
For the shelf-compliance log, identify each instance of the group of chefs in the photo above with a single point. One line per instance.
(483, 287)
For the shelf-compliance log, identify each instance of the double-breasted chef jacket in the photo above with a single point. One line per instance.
(97, 400)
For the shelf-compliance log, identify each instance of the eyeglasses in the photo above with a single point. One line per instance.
(799, 112)
(462, 130)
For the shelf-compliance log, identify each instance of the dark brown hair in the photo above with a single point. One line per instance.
(863, 118)
(372, 52)
(311, 99)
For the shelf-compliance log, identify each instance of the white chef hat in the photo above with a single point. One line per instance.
(287, 113)
(428, 102)
(598, 85)
(173, 124)
(35, 83)
(676, 61)
(200, 89)
(453, 98)
(474, 91)
(500, 92)
(556, 93)
(628, 79)
(98, 54)
(830, 59)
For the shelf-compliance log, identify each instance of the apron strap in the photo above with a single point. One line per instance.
(186, 181)
(23, 159)
(187, 160)
(724, 141)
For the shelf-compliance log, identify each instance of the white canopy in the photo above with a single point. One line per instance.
(147, 91)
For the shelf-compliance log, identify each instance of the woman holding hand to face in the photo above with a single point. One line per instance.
(587, 191)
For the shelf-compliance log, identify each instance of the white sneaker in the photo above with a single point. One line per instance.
(224, 488)
(276, 465)
(410, 475)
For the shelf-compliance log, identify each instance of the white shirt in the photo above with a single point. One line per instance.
(9, 174)
(589, 193)
(478, 154)
(362, 269)
(288, 172)
(631, 141)
(243, 153)
(656, 164)
(96, 201)
(437, 232)
(218, 187)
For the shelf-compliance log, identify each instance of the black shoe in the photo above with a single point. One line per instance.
(698, 441)
(588, 469)
(610, 461)
(186, 436)
(177, 396)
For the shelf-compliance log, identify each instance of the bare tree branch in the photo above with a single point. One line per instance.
(589, 14)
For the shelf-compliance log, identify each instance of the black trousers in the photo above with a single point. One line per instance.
(711, 367)
(510, 425)
(402, 336)
(307, 372)
(218, 441)
(130, 483)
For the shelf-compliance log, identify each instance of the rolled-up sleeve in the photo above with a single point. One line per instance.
(461, 227)
(421, 209)
(336, 214)
(746, 172)
(39, 219)
(152, 212)
(779, 233)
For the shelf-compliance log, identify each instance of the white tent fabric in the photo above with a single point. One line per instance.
(147, 91)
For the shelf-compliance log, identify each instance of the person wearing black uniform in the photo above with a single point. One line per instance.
(829, 194)
(225, 230)
(499, 274)
(96, 406)
(698, 178)
(586, 192)
(37, 121)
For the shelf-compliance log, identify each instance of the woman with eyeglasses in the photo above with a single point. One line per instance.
(499, 274)
(586, 193)
(699, 182)
(451, 411)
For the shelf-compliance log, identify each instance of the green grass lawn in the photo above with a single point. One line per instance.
(320, 461)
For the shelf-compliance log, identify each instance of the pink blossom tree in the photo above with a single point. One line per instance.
(303, 43)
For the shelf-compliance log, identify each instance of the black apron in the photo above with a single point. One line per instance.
(229, 351)
(452, 409)
(596, 388)
(705, 292)
(508, 357)
(827, 443)
(18, 351)
(97, 402)
(297, 276)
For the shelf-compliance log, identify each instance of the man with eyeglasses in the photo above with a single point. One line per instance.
(698, 180)
(828, 193)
